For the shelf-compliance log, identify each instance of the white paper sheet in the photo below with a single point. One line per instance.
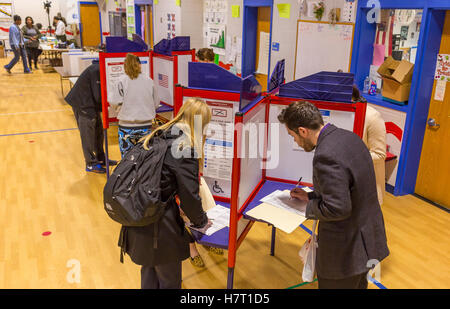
(264, 49)
(220, 218)
(282, 199)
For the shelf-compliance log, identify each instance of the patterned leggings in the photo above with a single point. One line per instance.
(129, 137)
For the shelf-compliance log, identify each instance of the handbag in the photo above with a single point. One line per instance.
(308, 255)
(208, 201)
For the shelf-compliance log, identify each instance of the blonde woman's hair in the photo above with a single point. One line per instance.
(193, 111)
(132, 66)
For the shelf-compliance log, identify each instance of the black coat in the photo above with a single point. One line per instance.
(351, 227)
(85, 96)
(179, 176)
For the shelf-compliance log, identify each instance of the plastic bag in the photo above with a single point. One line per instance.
(307, 254)
(208, 201)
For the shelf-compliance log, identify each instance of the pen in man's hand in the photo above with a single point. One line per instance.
(296, 186)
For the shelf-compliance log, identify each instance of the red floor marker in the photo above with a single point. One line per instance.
(46, 233)
(31, 141)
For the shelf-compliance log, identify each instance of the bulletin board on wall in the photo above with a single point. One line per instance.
(6, 18)
(322, 46)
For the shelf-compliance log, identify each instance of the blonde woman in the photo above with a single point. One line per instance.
(138, 108)
(161, 247)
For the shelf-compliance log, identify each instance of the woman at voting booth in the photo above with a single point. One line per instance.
(160, 247)
(137, 104)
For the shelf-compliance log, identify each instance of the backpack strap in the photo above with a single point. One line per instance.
(122, 243)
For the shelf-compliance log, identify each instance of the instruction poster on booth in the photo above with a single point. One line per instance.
(219, 148)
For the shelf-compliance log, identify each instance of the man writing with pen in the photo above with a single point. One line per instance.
(351, 227)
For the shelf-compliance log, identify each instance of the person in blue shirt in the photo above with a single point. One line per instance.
(17, 43)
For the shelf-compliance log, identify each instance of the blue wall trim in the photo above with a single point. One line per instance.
(249, 35)
(422, 84)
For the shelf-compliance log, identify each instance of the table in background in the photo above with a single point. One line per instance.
(63, 76)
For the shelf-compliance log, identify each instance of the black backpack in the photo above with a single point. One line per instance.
(132, 194)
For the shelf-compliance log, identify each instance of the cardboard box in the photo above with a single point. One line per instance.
(397, 78)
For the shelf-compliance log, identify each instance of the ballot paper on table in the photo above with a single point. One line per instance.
(280, 218)
(282, 199)
(220, 218)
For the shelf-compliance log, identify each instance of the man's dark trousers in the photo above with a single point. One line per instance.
(91, 133)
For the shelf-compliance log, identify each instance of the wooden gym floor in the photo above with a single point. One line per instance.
(44, 188)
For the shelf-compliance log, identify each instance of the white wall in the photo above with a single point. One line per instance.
(35, 9)
(284, 31)
(191, 21)
(160, 12)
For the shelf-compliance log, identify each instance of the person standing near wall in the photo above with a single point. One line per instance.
(32, 35)
(374, 136)
(60, 29)
(17, 43)
(138, 108)
(351, 233)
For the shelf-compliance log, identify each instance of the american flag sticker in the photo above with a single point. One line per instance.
(163, 80)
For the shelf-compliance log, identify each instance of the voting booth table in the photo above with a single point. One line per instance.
(248, 154)
(111, 69)
(169, 66)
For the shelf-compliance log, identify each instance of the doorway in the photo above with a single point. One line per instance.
(433, 179)
(262, 46)
(256, 40)
(90, 24)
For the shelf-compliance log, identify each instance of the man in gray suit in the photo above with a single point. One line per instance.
(351, 229)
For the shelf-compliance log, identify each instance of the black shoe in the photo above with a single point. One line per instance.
(95, 169)
(7, 70)
(28, 72)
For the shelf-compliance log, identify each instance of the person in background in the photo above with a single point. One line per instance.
(161, 260)
(60, 29)
(86, 101)
(351, 229)
(138, 108)
(17, 43)
(205, 55)
(32, 35)
(374, 137)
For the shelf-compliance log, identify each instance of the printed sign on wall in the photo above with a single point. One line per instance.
(443, 68)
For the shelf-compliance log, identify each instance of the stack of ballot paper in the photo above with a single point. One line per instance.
(282, 199)
(220, 218)
(281, 211)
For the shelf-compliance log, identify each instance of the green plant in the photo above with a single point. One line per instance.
(319, 10)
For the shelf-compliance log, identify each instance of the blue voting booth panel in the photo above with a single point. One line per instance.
(166, 47)
(323, 86)
(250, 91)
(277, 77)
(211, 76)
(118, 44)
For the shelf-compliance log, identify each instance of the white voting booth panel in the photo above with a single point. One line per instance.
(183, 71)
(163, 77)
(253, 139)
(169, 71)
(74, 63)
(285, 159)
